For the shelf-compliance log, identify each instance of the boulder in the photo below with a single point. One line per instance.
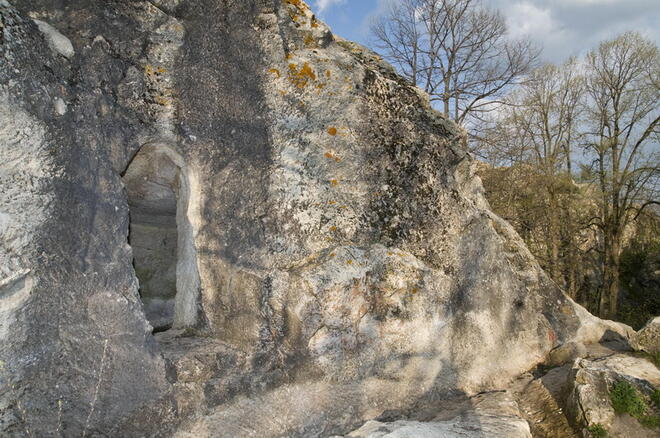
(591, 381)
(493, 414)
(565, 353)
(332, 238)
(648, 337)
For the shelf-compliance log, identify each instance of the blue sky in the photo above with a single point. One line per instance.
(348, 18)
(562, 27)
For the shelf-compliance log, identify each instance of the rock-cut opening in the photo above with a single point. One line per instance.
(161, 236)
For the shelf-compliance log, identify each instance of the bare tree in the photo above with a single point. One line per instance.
(456, 50)
(537, 132)
(623, 116)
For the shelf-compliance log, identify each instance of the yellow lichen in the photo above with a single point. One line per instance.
(349, 262)
(310, 41)
(332, 254)
(332, 202)
(334, 182)
(274, 71)
(332, 130)
(300, 77)
(333, 228)
(332, 156)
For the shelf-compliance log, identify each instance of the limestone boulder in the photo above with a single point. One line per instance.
(334, 258)
(488, 415)
(648, 337)
(590, 383)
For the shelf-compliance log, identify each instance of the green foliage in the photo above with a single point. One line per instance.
(655, 397)
(597, 431)
(640, 300)
(626, 400)
(650, 421)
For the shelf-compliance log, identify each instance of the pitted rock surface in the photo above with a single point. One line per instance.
(334, 245)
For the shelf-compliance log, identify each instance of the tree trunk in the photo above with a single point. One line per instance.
(554, 236)
(610, 292)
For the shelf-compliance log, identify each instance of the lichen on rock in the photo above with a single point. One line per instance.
(340, 260)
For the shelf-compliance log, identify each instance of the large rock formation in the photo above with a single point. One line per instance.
(311, 228)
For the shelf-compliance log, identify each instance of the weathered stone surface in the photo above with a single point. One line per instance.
(588, 402)
(542, 403)
(56, 41)
(565, 353)
(333, 242)
(491, 414)
(648, 338)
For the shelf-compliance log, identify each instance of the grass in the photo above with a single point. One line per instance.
(627, 400)
(597, 431)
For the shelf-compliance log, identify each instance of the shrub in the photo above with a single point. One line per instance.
(597, 431)
(626, 400)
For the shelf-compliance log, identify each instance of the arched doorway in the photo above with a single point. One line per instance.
(158, 186)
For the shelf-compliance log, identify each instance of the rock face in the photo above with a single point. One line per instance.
(335, 257)
(648, 338)
(490, 414)
(591, 382)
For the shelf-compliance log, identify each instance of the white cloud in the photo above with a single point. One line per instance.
(572, 27)
(323, 5)
(526, 19)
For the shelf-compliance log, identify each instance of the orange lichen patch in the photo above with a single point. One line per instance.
(310, 41)
(334, 182)
(289, 55)
(315, 23)
(332, 202)
(333, 228)
(283, 92)
(332, 156)
(300, 9)
(300, 77)
(332, 131)
(297, 3)
(390, 254)
(274, 71)
(153, 71)
(328, 74)
(414, 290)
(332, 254)
(349, 262)
(320, 86)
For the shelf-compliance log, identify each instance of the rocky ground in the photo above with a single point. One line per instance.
(336, 260)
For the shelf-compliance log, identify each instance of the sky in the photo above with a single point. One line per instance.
(562, 27)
